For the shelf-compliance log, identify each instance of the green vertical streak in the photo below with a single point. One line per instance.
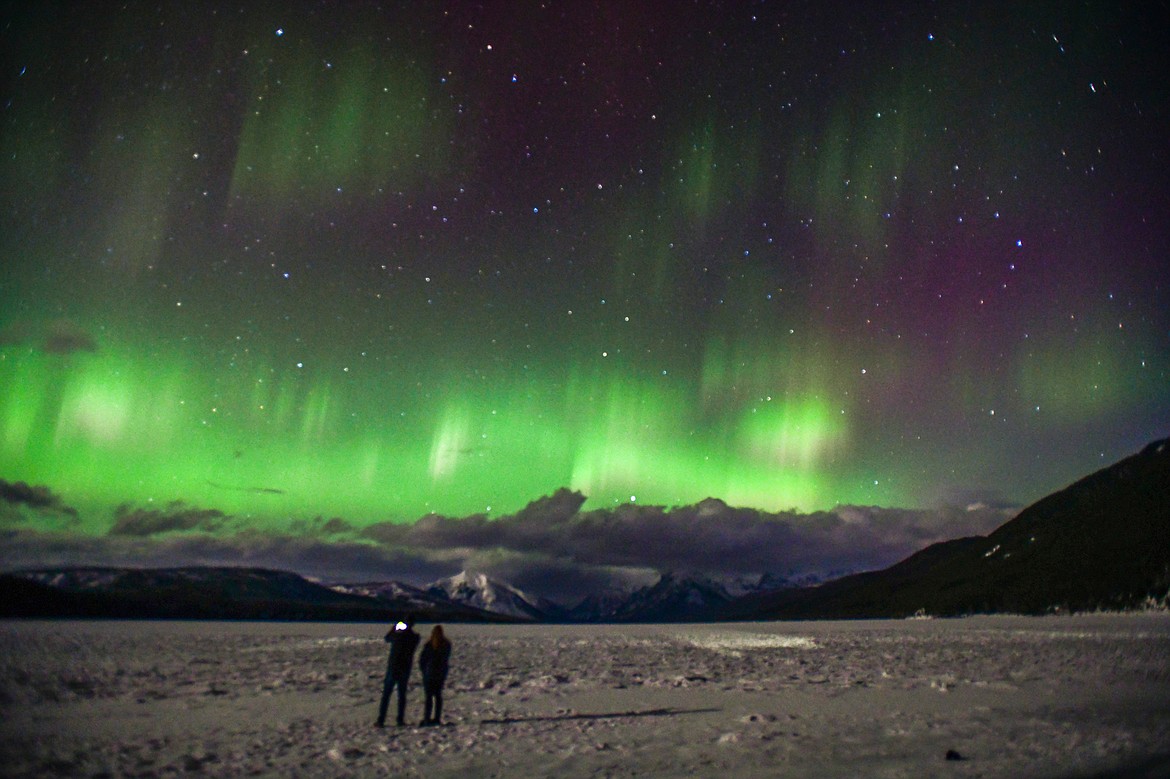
(698, 175)
(847, 174)
(361, 123)
(344, 138)
(714, 169)
(316, 422)
(796, 434)
(22, 403)
(139, 171)
(644, 265)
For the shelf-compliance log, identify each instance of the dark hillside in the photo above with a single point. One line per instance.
(1101, 543)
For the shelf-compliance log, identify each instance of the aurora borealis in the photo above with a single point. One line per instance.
(373, 261)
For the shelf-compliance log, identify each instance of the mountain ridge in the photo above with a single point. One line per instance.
(1101, 543)
(204, 592)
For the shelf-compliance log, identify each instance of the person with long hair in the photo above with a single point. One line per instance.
(433, 662)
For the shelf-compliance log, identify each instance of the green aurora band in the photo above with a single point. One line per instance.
(121, 425)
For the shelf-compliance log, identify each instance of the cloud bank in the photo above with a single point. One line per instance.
(551, 539)
(551, 547)
(17, 498)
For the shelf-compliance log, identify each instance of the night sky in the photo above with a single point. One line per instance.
(327, 268)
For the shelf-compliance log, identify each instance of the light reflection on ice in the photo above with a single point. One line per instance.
(313, 643)
(738, 641)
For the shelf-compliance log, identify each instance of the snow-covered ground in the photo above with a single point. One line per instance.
(1011, 696)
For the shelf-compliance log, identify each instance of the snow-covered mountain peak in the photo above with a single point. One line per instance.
(477, 589)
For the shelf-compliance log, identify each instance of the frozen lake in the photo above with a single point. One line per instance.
(1012, 696)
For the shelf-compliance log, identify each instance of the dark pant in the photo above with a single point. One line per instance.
(435, 698)
(387, 686)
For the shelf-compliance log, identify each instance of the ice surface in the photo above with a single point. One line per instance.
(1010, 696)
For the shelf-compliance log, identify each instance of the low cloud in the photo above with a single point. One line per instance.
(25, 548)
(316, 558)
(18, 495)
(176, 517)
(321, 527)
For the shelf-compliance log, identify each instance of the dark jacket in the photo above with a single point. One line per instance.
(433, 663)
(402, 646)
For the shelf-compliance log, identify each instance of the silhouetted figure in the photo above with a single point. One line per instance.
(436, 653)
(403, 641)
